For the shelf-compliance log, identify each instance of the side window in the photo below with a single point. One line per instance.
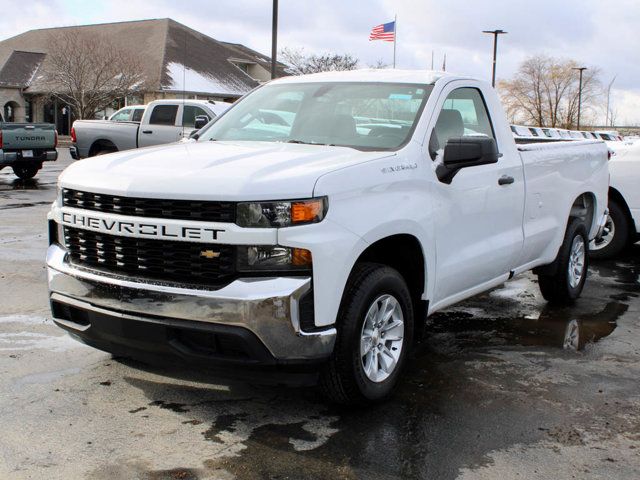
(463, 114)
(137, 115)
(164, 115)
(122, 115)
(190, 113)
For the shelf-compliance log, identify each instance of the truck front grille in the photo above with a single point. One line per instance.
(197, 210)
(159, 260)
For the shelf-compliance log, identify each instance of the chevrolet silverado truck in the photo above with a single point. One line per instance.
(25, 146)
(163, 121)
(319, 244)
(623, 224)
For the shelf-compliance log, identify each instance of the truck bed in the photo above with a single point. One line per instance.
(124, 135)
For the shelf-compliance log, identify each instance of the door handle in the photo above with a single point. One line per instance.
(147, 131)
(506, 180)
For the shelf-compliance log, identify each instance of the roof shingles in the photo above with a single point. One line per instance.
(176, 57)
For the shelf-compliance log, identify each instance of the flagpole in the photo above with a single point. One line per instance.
(395, 38)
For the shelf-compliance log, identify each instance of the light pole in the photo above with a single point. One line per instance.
(274, 39)
(606, 120)
(580, 69)
(495, 34)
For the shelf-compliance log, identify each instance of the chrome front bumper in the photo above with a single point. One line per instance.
(268, 307)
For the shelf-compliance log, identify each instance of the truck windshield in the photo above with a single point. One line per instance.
(366, 116)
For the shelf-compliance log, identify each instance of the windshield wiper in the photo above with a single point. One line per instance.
(306, 143)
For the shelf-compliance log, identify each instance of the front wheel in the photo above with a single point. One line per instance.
(565, 284)
(375, 332)
(26, 172)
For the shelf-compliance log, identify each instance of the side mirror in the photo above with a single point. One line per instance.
(465, 152)
(201, 121)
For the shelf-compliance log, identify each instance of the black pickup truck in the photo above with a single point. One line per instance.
(25, 146)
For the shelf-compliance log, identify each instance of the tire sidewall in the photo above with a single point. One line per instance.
(26, 172)
(576, 229)
(392, 284)
(621, 234)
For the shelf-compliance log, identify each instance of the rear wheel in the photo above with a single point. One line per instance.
(375, 331)
(615, 237)
(565, 284)
(25, 172)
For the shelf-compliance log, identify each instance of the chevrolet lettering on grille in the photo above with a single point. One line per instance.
(139, 229)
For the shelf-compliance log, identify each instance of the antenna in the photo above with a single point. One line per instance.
(184, 76)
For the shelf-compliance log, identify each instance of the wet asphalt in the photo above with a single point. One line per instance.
(500, 386)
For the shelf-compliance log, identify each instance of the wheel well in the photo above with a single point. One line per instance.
(616, 196)
(101, 145)
(403, 253)
(584, 208)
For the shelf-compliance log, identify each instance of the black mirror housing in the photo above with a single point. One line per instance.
(200, 121)
(465, 152)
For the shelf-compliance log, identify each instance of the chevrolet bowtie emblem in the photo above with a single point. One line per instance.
(209, 254)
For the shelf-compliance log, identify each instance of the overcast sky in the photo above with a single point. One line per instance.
(593, 32)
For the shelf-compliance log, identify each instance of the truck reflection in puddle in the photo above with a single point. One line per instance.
(555, 327)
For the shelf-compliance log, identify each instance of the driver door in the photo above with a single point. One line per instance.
(478, 216)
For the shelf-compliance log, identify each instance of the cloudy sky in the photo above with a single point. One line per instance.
(593, 32)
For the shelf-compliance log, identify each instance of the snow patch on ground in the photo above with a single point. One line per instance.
(25, 319)
(512, 289)
(27, 341)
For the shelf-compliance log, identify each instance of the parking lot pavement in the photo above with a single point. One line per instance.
(496, 390)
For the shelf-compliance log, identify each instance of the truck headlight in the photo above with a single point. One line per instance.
(281, 213)
(273, 258)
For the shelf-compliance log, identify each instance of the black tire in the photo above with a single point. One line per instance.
(619, 234)
(556, 287)
(26, 172)
(343, 379)
(103, 152)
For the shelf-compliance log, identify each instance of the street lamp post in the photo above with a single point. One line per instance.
(495, 34)
(606, 120)
(274, 39)
(580, 69)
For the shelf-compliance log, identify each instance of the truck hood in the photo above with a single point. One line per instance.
(213, 170)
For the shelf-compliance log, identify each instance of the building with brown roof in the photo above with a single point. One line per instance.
(176, 60)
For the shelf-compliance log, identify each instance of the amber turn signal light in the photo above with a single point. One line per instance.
(300, 257)
(307, 211)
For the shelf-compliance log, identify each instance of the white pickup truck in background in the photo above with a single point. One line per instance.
(316, 225)
(623, 225)
(163, 121)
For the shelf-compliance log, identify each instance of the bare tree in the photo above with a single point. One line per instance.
(544, 92)
(90, 72)
(300, 63)
(379, 65)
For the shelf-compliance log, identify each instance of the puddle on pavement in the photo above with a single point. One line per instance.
(554, 327)
(17, 184)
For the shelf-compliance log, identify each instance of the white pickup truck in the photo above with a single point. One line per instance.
(163, 121)
(623, 225)
(315, 226)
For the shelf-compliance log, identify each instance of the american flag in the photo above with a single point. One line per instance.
(386, 32)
